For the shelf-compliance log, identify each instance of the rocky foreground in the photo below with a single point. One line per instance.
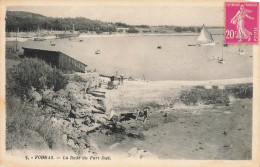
(77, 111)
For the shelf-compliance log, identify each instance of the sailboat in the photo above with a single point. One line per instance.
(98, 51)
(222, 61)
(241, 51)
(205, 38)
(39, 37)
(71, 34)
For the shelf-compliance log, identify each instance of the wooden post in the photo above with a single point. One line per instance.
(144, 77)
(16, 46)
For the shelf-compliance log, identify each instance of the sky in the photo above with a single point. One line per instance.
(135, 14)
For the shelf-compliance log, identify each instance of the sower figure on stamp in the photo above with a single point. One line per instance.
(238, 19)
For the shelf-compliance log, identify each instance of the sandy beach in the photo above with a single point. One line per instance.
(178, 131)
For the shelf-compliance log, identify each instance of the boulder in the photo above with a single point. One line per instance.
(101, 118)
(83, 112)
(95, 110)
(62, 102)
(74, 87)
(36, 96)
(79, 121)
(72, 144)
(88, 129)
(62, 93)
(48, 94)
(141, 154)
(79, 98)
(132, 151)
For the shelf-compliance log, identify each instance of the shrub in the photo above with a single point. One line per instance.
(26, 130)
(36, 73)
(132, 30)
(205, 96)
(215, 95)
(241, 91)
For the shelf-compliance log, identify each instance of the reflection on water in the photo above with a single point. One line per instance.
(138, 55)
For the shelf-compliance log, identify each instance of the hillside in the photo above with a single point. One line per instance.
(27, 21)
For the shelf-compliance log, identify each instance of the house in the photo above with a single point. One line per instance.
(57, 59)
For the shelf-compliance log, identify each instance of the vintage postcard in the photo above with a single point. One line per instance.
(130, 83)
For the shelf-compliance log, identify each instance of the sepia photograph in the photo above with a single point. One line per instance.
(140, 81)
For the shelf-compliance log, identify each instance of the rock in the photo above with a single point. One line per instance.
(140, 154)
(74, 87)
(62, 93)
(64, 138)
(148, 155)
(94, 110)
(132, 151)
(87, 150)
(48, 94)
(69, 130)
(60, 122)
(82, 143)
(36, 96)
(79, 98)
(53, 120)
(96, 94)
(101, 118)
(62, 102)
(65, 123)
(83, 112)
(79, 121)
(87, 121)
(88, 129)
(71, 144)
(75, 134)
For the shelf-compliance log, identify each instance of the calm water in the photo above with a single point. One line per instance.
(138, 55)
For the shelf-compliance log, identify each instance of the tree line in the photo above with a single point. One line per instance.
(27, 21)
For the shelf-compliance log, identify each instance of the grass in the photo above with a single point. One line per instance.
(29, 128)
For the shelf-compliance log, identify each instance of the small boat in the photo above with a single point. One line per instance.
(52, 44)
(39, 39)
(159, 47)
(98, 51)
(241, 51)
(225, 45)
(205, 38)
(222, 61)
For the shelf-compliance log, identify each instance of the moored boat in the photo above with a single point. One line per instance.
(205, 38)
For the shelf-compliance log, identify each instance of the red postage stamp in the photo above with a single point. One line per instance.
(241, 23)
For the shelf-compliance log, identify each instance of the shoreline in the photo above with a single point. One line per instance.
(195, 82)
(20, 39)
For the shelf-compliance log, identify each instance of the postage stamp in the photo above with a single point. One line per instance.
(241, 23)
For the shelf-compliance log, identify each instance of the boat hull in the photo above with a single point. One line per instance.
(207, 44)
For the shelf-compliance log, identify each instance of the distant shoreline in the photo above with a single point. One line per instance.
(21, 39)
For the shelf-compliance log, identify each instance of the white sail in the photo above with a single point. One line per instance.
(205, 36)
